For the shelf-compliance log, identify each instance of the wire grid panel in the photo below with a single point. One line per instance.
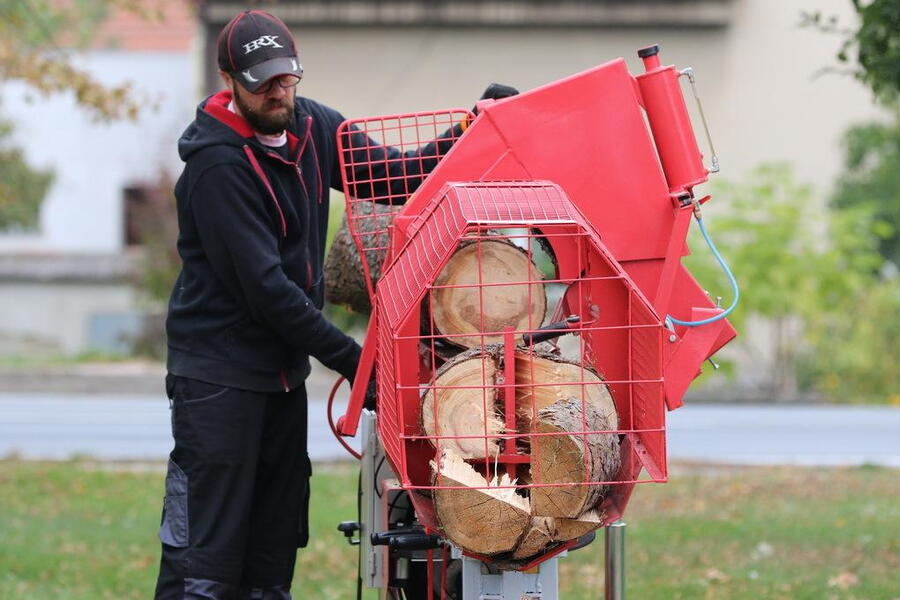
(389, 416)
(435, 235)
(383, 161)
(617, 352)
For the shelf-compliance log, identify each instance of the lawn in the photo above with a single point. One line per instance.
(72, 530)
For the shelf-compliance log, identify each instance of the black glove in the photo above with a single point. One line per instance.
(496, 91)
(371, 395)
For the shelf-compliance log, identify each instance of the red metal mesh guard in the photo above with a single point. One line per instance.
(618, 335)
(383, 160)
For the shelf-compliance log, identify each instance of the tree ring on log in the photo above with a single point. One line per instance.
(542, 368)
(463, 402)
(481, 303)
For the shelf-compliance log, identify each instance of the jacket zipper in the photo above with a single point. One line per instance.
(261, 174)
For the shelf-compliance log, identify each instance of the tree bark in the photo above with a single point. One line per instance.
(485, 521)
(345, 279)
(569, 459)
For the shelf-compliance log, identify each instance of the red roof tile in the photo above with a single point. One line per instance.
(170, 28)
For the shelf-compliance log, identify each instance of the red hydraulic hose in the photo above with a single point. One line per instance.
(334, 430)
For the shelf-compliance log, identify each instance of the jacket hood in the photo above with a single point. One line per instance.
(216, 125)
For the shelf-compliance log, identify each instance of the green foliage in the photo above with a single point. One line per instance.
(792, 257)
(860, 343)
(22, 188)
(803, 268)
(875, 47)
(871, 48)
(871, 181)
(160, 262)
(157, 220)
(32, 35)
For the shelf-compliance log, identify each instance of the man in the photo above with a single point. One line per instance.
(244, 316)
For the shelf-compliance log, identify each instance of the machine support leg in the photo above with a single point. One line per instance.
(615, 561)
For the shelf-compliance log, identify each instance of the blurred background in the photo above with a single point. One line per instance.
(801, 97)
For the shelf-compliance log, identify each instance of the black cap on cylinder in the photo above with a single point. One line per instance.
(648, 51)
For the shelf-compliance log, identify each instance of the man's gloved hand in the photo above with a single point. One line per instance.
(496, 91)
(371, 395)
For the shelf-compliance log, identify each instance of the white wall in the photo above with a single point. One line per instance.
(755, 76)
(94, 161)
(56, 317)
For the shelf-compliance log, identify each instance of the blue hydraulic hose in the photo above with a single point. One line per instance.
(731, 280)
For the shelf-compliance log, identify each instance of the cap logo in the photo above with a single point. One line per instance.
(265, 40)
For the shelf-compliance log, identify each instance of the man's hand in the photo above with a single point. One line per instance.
(371, 395)
(496, 91)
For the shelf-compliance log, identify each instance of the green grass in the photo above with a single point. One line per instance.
(71, 530)
(35, 361)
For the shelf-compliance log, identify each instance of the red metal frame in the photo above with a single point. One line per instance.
(573, 165)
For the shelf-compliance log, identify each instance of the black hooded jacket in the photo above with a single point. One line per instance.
(245, 311)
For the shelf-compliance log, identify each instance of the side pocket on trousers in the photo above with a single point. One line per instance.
(303, 532)
(173, 531)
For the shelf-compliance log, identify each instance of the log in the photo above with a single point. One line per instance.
(477, 308)
(569, 529)
(345, 280)
(484, 521)
(470, 408)
(540, 533)
(546, 368)
(567, 458)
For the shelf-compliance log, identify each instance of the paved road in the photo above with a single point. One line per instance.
(57, 426)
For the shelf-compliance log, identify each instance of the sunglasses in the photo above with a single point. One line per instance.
(286, 81)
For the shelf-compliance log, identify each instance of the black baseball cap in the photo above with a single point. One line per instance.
(256, 46)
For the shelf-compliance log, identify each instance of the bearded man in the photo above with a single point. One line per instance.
(245, 315)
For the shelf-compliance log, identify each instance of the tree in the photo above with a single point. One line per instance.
(801, 267)
(874, 47)
(871, 50)
(22, 188)
(871, 180)
(32, 35)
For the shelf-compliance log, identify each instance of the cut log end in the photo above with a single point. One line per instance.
(485, 521)
(543, 368)
(475, 304)
(570, 529)
(541, 532)
(462, 403)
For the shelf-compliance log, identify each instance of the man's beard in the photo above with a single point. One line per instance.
(267, 124)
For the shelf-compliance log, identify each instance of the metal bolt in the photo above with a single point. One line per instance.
(673, 338)
(714, 364)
